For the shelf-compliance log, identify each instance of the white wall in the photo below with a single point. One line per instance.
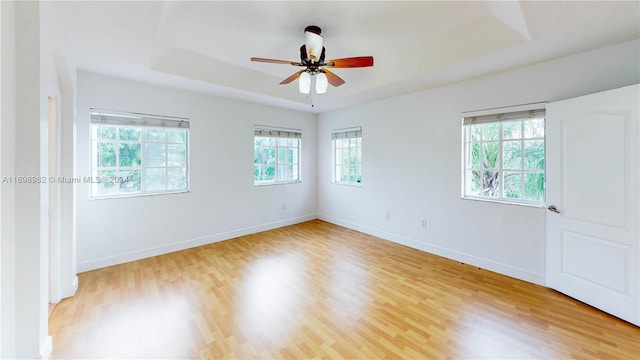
(29, 74)
(29, 270)
(222, 203)
(412, 163)
(7, 197)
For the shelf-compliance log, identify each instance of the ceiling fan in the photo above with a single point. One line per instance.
(312, 54)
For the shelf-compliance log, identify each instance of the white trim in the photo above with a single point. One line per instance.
(269, 127)
(187, 244)
(500, 268)
(46, 348)
(506, 109)
(54, 210)
(355, 128)
(74, 285)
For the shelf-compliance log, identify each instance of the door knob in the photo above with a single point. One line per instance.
(553, 208)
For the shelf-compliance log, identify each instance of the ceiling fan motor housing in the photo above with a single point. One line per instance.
(313, 29)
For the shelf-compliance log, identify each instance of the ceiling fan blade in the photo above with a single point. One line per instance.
(359, 61)
(292, 77)
(333, 79)
(274, 61)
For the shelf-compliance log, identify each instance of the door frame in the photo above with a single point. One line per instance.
(54, 116)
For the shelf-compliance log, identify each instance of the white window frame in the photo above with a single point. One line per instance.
(144, 123)
(501, 116)
(355, 143)
(293, 138)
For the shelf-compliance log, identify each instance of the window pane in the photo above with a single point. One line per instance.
(275, 159)
(176, 178)
(130, 154)
(269, 155)
(106, 154)
(345, 157)
(345, 172)
(534, 128)
(294, 172)
(133, 159)
(512, 129)
(490, 131)
(177, 155)
(130, 134)
(177, 136)
(105, 186)
(347, 160)
(292, 156)
(476, 133)
(155, 154)
(106, 132)
(156, 135)
(282, 172)
(130, 181)
(505, 160)
(270, 173)
(534, 155)
(534, 186)
(155, 179)
(490, 151)
(490, 183)
(512, 155)
(513, 184)
(282, 155)
(474, 181)
(475, 156)
(354, 156)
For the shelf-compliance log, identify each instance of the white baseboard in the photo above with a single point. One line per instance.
(46, 348)
(69, 289)
(490, 265)
(187, 244)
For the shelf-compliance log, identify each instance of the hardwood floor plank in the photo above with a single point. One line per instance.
(317, 290)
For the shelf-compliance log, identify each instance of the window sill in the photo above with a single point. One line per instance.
(277, 183)
(134, 195)
(347, 183)
(506, 202)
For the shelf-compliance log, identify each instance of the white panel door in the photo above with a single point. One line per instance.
(593, 191)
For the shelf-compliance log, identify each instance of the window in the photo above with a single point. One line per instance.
(276, 157)
(504, 156)
(347, 156)
(138, 154)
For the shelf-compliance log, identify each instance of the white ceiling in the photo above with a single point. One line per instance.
(206, 45)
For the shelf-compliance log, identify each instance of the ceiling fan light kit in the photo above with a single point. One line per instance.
(304, 83)
(321, 83)
(312, 54)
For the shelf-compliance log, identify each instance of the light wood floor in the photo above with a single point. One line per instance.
(316, 290)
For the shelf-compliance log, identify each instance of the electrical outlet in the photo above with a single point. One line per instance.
(387, 216)
(284, 206)
(424, 223)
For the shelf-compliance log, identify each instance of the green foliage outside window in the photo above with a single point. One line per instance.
(275, 160)
(129, 160)
(506, 160)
